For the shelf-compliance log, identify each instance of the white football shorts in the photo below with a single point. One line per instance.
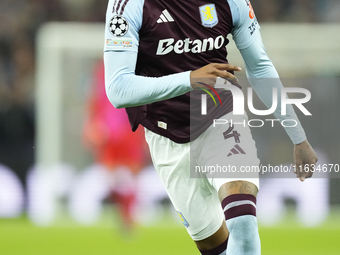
(220, 149)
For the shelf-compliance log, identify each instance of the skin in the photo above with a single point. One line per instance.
(304, 155)
(304, 158)
(208, 74)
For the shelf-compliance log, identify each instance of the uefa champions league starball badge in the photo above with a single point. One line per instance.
(118, 26)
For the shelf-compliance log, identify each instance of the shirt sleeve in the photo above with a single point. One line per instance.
(260, 71)
(123, 87)
(245, 25)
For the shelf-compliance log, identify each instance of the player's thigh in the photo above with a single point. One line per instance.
(194, 199)
(229, 155)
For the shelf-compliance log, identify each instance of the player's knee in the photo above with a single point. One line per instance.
(235, 187)
(215, 240)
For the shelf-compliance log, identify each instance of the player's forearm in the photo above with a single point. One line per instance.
(263, 88)
(263, 77)
(125, 89)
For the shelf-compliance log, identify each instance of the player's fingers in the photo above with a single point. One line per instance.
(227, 67)
(300, 173)
(309, 175)
(299, 170)
(294, 169)
(305, 172)
(226, 75)
(309, 170)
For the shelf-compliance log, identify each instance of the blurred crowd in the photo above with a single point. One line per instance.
(297, 10)
(19, 23)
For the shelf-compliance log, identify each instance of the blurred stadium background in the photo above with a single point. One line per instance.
(54, 197)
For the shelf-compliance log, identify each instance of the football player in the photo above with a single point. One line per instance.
(160, 57)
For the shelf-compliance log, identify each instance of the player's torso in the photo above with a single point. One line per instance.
(181, 35)
(174, 36)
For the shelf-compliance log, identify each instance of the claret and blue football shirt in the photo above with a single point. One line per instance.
(151, 47)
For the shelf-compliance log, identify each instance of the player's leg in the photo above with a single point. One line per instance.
(238, 199)
(195, 199)
(230, 150)
(216, 243)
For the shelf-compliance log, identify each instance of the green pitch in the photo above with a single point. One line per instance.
(20, 237)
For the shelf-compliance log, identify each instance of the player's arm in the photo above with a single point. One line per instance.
(263, 77)
(126, 89)
(123, 87)
(260, 71)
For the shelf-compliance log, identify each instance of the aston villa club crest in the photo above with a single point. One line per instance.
(208, 15)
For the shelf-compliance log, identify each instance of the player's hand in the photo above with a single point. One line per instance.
(305, 159)
(208, 74)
